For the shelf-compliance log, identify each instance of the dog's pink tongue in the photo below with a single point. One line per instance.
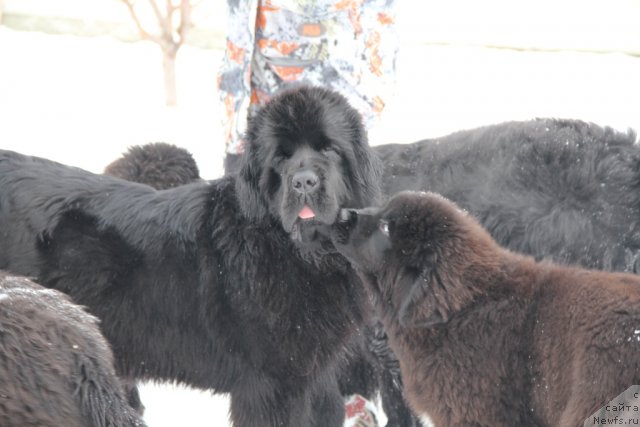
(306, 213)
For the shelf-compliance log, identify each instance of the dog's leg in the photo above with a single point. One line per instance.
(393, 402)
(391, 390)
(328, 407)
(266, 402)
(101, 396)
(133, 395)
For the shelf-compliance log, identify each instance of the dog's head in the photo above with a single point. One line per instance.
(306, 157)
(415, 253)
(159, 165)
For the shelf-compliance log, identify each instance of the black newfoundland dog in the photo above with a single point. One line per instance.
(56, 368)
(370, 366)
(157, 164)
(227, 285)
(486, 336)
(559, 189)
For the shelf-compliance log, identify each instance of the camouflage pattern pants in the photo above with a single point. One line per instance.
(346, 45)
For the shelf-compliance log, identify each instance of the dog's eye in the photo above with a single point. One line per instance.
(383, 225)
(283, 151)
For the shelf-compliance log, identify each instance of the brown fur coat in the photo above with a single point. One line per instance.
(487, 337)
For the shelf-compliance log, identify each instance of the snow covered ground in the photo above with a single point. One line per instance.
(83, 101)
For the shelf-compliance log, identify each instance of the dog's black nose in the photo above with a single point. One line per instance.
(305, 181)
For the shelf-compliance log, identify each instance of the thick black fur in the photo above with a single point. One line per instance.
(371, 358)
(371, 367)
(564, 190)
(161, 166)
(56, 368)
(217, 285)
(158, 164)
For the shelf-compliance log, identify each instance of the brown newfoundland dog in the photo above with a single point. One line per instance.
(487, 337)
(56, 368)
(224, 285)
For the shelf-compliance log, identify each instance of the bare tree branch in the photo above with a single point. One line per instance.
(169, 23)
(170, 35)
(158, 14)
(185, 20)
(143, 33)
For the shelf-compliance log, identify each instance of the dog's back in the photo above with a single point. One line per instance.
(105, 241)
(586, 341)
(565, 190)
(578, 341)
(37, 194)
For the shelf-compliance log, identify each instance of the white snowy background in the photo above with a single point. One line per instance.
(463, 63)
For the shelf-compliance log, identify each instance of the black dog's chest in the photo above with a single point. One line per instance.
(294, 300)
(288, 320)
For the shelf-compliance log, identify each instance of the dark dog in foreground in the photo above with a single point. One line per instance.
(370, 366)
(56, 368)
(226, 285)
(565, 190)
(486, 336)
(158, 164)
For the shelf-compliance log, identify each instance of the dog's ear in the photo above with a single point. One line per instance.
(426, 299)
(427, 296)
(368, 172)
(420, 297)
(250, 198)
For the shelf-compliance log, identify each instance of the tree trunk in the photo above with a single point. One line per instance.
(169, 69)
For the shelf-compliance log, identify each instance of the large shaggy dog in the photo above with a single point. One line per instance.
(56, 369)
(370, 366)
(157, 164)
(225, 285)
(560, 189)
(486, 336)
